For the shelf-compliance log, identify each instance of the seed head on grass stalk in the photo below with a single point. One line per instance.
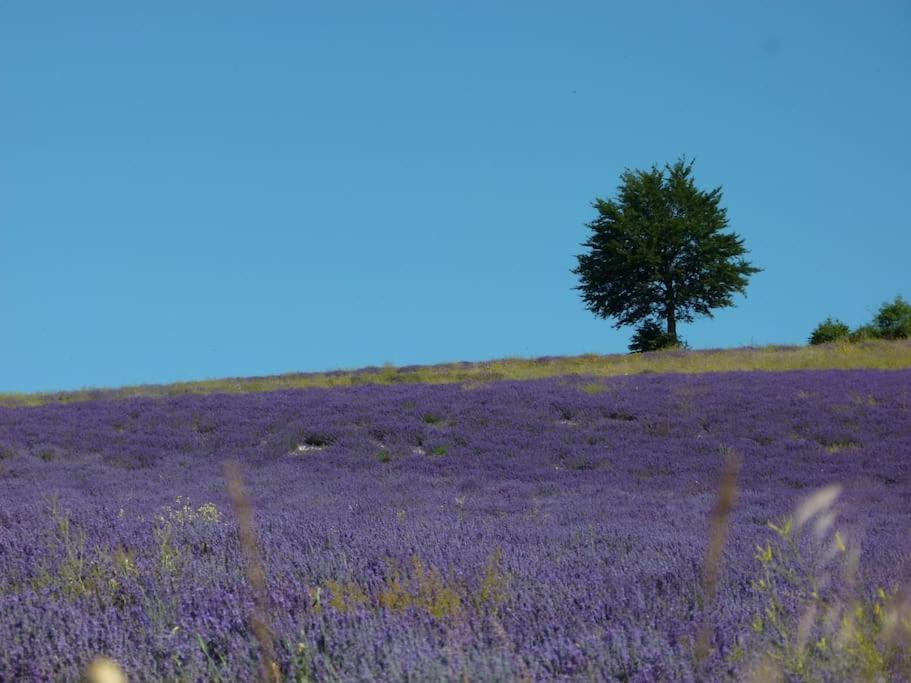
(836, 631)
(255, 572)
(104, 670)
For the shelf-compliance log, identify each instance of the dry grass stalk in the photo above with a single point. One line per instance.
(255, 571)
(718, 531)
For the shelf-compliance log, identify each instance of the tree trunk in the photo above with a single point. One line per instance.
(670, 312)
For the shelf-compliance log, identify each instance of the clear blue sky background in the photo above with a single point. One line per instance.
(205, 189)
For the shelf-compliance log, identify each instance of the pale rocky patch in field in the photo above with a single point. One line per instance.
(306, 448)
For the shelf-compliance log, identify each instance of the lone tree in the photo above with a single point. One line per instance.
(657, 253)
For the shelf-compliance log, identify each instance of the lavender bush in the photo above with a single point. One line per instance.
(537, 530)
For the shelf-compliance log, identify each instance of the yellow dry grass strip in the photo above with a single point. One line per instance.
(884, 355)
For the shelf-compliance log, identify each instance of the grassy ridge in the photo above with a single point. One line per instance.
(884, 355)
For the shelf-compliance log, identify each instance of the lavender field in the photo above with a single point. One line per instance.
(551, 529)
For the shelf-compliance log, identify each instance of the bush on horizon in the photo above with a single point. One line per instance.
(830, 330)
(864, 333)
(892, 321)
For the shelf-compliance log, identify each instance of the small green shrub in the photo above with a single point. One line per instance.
(494, 589)
(346, 596)
(424, 587)
(384, 456)
(864, 333)
(893, 320)
(830, 330)
(651, 336)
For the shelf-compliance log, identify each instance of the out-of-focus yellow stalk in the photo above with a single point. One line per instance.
(105, 670)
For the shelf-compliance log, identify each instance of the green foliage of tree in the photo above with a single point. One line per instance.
(830, 330)
(893, 320)
(658, 251)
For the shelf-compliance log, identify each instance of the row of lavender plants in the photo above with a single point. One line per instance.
(537, 530)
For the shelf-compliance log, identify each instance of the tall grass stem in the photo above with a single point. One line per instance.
(255, 572)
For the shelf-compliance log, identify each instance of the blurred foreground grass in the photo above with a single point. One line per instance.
(884, 355)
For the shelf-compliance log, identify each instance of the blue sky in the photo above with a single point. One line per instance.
(208, 189)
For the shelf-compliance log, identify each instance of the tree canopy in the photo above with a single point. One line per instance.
(657, 252)
(893, 319)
